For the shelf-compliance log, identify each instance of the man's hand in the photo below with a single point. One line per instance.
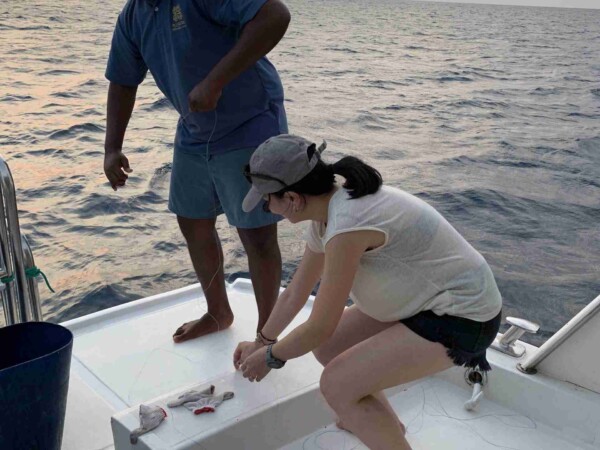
(243, 350)
(205, 96)
(258, 38)
(115, 166)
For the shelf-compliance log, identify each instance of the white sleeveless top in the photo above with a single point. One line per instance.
(424, 264)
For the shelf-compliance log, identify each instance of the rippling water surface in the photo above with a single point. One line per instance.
(490, 113)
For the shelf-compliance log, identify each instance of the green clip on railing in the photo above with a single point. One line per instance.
(31, 272)
(7, 279)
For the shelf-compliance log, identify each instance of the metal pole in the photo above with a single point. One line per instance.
(587, 313)
(22, 302)
(6, 303)
(32, 283)
(10, 294)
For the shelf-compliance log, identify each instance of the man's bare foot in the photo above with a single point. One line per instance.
(341, 426)
(201, 327)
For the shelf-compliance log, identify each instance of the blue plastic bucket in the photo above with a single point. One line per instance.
(35, 359)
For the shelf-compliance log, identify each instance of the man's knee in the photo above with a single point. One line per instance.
(197, 231)
(260, 240)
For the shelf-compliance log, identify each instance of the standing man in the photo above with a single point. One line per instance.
(208, 58)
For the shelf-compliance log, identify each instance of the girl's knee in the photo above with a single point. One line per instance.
(331, 385)
(321, 355)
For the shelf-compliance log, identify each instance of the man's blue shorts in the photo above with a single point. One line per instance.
(204, 187)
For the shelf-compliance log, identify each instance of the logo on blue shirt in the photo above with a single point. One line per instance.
(178, 20)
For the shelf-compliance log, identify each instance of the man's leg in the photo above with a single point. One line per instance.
(264, 262)
(257, 229)
(207, 258)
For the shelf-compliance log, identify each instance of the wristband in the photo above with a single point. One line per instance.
(263, 340)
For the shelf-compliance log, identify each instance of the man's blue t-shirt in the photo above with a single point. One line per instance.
(180, 41)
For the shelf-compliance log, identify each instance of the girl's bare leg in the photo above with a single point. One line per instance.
(354, 327)
(392, 357)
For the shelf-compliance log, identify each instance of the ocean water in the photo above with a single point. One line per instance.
(490, 113)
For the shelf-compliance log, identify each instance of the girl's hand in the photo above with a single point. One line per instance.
(243, 350)
(255, 366)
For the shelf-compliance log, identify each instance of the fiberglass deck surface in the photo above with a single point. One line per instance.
(137, 359)
(131, 358)
(435, 418)
(127, 357)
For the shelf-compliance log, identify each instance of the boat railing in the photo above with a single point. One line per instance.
(20, 295)
(560, 337)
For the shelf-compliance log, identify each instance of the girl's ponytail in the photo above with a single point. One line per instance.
(361, 179)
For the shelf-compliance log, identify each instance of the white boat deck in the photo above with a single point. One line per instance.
(433, 413)
(125, 356)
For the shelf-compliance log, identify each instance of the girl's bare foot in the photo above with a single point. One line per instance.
(341, 426)
(205, 325)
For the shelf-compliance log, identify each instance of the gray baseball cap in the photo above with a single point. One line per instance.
(277, 163)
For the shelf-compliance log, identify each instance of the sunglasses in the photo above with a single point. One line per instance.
(267, 200)
(249, 175)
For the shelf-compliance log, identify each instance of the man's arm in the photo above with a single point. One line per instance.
(259, 37)
(121, 100)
